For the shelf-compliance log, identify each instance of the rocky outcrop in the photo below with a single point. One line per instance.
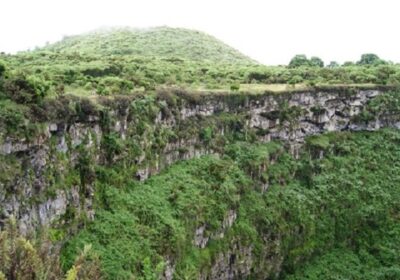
(202, 236)
(50, 186)
(236, 263)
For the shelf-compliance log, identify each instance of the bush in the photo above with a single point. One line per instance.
(299, 60)
(370, 59)
(12, 116)
(2, 68)
(235, 87)
(26, 89)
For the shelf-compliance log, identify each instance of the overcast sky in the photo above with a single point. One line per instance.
(271, 31)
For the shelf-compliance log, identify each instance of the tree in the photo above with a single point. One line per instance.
(2, 68)
(298, 61)
(316, 62)
(333, 64)
(348, 63)
(370, 59)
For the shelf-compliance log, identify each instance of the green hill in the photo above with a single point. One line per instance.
(158, 42)
(126, 60)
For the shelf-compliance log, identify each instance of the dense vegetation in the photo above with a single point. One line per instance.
(335, 217)
(126, 60)
(330, 217)
(160, 42)
(343, 207)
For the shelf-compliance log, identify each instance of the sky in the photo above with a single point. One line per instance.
(270, 31)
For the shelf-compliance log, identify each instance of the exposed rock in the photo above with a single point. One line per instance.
(290, 118)
(168, 271)
(200, 240)
(236, 263)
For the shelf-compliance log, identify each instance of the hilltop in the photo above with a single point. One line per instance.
(156, 42)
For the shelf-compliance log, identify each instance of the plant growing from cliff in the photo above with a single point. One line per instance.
(112, 146)
(385, 106)
(12, 117)
(26, 89)
(23, 259)
(167, 207)
(206, 135)
(312, 205)
(86, 266)
(85, 167)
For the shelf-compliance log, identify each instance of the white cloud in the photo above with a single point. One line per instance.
(271, 31)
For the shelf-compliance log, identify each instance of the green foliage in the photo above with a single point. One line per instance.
(333, 64)
(22, 259)
(299, 60)
(332, 212)
(302, 60)
(382, 262)
(127, 61)
(254, 159)
(235, 87)
(342, 206)
(26, 89)
(85, 167)
(148, 220)
(206, 135)
(111, 145)
(381, 107)
(86, 266)
(2, 68)
(350, 203)
(316, 62)
(12, 117)
(370, 59)
(173, 44)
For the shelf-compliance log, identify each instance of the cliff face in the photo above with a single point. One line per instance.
(48, 180)
(38, 189)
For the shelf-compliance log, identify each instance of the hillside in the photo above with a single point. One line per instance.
(165, 154)
(128, 60)
(158, 42)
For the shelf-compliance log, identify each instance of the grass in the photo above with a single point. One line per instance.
(249, 89)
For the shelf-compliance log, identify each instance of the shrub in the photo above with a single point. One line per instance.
(12, 116)
(2, 68)
(26, 89)
(299, 60)
(235, 87)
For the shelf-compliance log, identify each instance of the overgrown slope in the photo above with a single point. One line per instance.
(156, 42)
(346, 202)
